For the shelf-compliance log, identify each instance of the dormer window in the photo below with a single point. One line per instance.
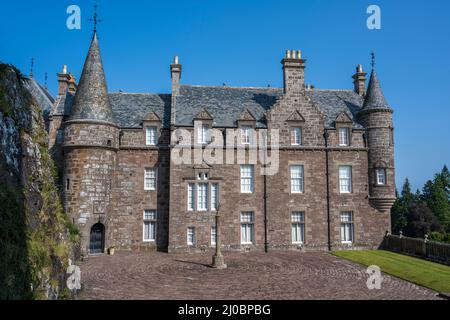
(203, 134)
(246, 135)
(344, 137)
(151, 136)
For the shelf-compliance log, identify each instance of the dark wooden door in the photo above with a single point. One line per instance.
(97, 239)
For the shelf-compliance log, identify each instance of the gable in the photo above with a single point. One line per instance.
(343, 117)
(296, 116)
(203, 114)
(151, 116)
(246, 116)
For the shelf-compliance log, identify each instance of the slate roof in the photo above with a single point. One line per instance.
(40, 94)
(91, 100)
(375, 97)
(225, 104)
(130, 109)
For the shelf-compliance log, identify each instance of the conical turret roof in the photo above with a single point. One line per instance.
(91, 99)
(374, 97)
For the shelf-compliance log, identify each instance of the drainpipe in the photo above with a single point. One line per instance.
(326, 136)
(266, 242)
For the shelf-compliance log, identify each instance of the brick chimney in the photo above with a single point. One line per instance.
(293, 71)
(63, 81)
(359, 80)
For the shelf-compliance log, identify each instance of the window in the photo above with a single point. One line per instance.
(380, 176)
(191, 236)
(246, 134)
(296, 136)
(191, 196)
(246, 178)
(345, 179)
(59, 136)
(150, 179)
(149, 225)
(344, 137)
(214, 196)
(297, 179)
(213, 236)
(247, 228)
(202, 196)
(347, 227)
(203, 134)
(298, 227)
(67, 184)
(151, 136)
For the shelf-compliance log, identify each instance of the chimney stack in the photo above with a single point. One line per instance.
(293, 72)
(359, 80)
(175, 72)
(63, 81)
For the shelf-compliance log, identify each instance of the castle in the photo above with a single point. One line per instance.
(333, 187)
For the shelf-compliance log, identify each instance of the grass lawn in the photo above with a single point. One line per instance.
(422, 272)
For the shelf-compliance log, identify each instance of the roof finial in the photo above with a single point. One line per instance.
(373, 59)
(32, 67)
(95, 18)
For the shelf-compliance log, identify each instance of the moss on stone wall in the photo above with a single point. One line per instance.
(37, 238)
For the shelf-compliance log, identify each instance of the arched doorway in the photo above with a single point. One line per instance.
(97, 239)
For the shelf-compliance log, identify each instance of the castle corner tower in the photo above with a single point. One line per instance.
(90, 152)
(376, 115)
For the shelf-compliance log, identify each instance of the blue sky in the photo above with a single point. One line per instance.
(241, 43)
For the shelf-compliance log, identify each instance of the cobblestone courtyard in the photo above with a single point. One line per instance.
(277, 275)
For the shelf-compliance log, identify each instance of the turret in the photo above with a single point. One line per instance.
(90, 150)
(376, 115)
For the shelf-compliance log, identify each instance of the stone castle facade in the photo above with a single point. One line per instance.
(333, 188)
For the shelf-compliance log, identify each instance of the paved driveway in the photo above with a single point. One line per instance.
(255, 275)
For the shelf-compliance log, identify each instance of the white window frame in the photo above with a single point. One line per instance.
(202, 196)
(345, 181)
(150, 179)
(247, 174)
(190, 232)
(213, 235)
(246, 133)
(149, 221)
(297, 179)
(203, 134)
(296, 136)
(344, 136)
(191, 196)
(383, 181)
(347, 223)
(247, 228)
(214, 196)
(298, 223)
(151, 136)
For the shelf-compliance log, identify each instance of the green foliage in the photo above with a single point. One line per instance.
(424, 213)
(15, 272)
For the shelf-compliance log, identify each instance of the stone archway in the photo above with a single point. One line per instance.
(97, 239)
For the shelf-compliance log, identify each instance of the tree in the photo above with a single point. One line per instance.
(421, 221)
(400, 209)
(436, 196)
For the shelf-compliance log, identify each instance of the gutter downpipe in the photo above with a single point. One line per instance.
(326, 136)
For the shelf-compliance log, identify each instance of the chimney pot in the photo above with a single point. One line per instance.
(288, 54)
(175, 60)
(64, 70)
(294, 54)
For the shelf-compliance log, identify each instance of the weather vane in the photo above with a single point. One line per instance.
(95, 18)
(373, 59)
(32, 67)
